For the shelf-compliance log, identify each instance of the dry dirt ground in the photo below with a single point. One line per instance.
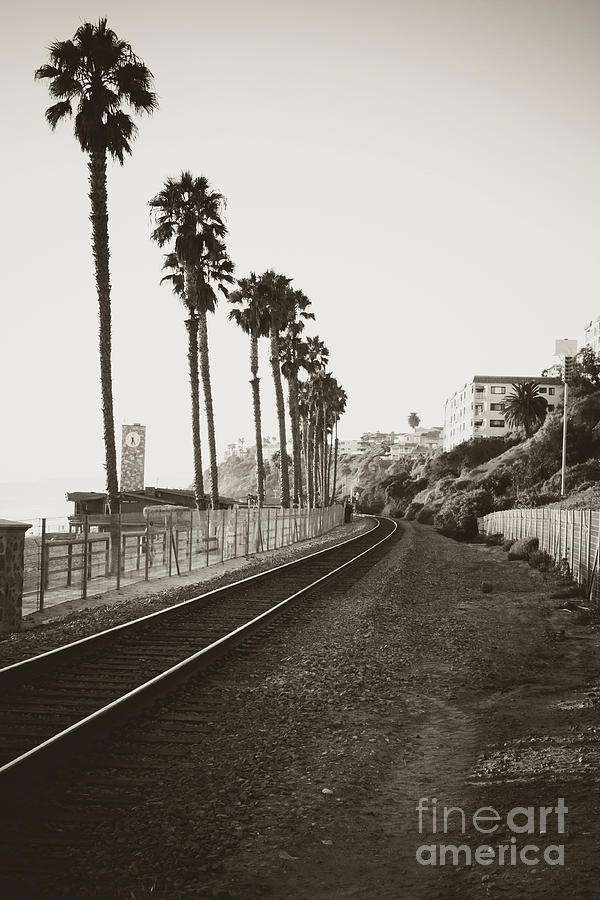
(407, 682)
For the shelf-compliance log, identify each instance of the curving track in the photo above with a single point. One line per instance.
(53, 705)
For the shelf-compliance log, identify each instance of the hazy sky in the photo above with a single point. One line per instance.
(427, 172)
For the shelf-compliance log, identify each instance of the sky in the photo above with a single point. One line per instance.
(427, 172)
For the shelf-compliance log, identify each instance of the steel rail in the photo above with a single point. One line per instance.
(37, 761)
(15, 671)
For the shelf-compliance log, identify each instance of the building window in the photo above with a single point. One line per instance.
(498, 407)
(479, 389)
(498, 390)
(543, 390)
(496, 423)
(551, 391)
(478, 423)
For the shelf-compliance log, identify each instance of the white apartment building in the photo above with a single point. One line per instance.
(477, 408)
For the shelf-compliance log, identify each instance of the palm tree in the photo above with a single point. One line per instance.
(314, 362)
(525, 407)
(255, 320)
(101, 74)
(293, 351)
(414, 421)
(338, 408)
(177, 279)
(190, 214)
(275, 293)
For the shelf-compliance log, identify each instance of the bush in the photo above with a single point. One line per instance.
(541, 560)
(458, 516)
(494, 540)
(507, 545)
(426, 515)
(413, 508)
(532, 497)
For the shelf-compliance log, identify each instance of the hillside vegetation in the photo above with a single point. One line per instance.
(451, 489)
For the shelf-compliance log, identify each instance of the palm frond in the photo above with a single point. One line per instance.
(57, 112)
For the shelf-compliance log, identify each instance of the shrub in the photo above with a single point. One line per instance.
(494, 540)
(532, 497)
(426, 515)
(412, 510)
(541, 560)
(458, 515)
(507, 544)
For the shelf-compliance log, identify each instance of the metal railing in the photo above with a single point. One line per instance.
(124, 549)
(566, 535)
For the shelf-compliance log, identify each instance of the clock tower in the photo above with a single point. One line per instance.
(133, 452)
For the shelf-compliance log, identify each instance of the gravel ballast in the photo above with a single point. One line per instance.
(311, 748)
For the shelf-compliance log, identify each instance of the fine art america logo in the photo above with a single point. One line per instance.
(436, 820)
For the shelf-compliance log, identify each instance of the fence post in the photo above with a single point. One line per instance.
(276, 517)
(589, 545)
(248, 531)
(85, 557)
(222, 535)
(170, 541)
(43, 565)
(235, 533)
(268, 526)
(119, 555)
(147, 553)
(207, 532)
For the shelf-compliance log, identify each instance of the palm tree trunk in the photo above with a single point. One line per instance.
(99, 220)
(316, 456)
(310, 452)
(208, 407)
(324, 459)
(335, 462)
(275, 368)
(192, 329)
(295, 427)
(255, 382)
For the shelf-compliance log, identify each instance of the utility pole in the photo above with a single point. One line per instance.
(567, 349)
(564, 440)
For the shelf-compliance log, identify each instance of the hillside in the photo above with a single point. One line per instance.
(450, 489)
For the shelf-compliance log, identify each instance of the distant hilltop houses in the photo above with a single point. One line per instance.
(422, 440)
(238, 449)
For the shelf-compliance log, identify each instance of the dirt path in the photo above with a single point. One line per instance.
(407, 683)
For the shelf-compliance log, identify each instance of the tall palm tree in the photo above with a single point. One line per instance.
(255, 320)
(177, 279)
(293, 352)
(275, 293)
(100, 74)
(338, 408)
(187, 213)
(314, 362)
(525, 407)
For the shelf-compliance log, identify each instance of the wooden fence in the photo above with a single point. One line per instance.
(571, 535)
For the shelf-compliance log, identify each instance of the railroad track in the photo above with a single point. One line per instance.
(54, 705)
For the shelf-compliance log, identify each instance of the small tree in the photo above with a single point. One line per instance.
(587, 365)
(414, 421)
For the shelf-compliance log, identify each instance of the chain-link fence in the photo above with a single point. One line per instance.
(109, 552)
(570, 536)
